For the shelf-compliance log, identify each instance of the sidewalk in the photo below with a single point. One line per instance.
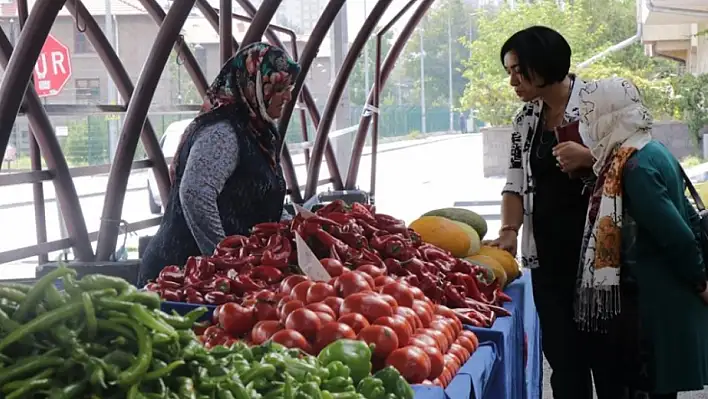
(21, 195)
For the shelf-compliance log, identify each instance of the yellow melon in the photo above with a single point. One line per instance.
(443, 233)
(493, 265)
(505, 259)
(475, 242)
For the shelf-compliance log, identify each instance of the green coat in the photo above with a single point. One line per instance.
(667, 265)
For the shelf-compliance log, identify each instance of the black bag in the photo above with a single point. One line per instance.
(702, 214)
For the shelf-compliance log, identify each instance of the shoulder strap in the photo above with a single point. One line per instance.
(692, 190)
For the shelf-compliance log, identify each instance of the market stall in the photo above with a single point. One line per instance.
(341, 303)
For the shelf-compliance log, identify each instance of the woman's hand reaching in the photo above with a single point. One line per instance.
(508, 241)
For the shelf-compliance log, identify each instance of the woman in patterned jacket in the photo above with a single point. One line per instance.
(642, 278)
(550, 206)
(227, 174)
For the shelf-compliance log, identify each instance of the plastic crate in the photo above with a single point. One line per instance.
(183, 308)
(127, 270)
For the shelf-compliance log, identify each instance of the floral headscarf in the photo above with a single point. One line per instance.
(246, 83)
(251, 77)
(614, 124)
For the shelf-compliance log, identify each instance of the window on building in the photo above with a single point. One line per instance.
(81, 43)
(88, 91)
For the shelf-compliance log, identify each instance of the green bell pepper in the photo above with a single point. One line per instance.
(338, 369)
(339, 384)
(394, 383)
(354, 354)
(372, 388)
(309, 390)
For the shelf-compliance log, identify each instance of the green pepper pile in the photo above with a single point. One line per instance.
(101, 338)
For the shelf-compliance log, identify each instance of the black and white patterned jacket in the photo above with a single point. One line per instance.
(519, 179)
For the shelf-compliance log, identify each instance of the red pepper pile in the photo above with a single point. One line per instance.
(354, 236)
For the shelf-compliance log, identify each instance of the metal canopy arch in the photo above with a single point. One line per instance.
(17, 79)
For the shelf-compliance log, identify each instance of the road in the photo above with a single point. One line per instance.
(413, 177)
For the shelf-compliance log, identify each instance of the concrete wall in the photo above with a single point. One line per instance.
(497, 141)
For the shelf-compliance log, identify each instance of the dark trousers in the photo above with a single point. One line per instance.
(573, 355)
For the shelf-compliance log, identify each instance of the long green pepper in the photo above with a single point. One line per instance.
(36, 294)
(42, 323)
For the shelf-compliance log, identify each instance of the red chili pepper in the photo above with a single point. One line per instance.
(369, 230)
(191, 281)
(153, 287)
(411, 280)
(222, 284)
(433, 253)
(195, 297)
(267, 274)
(266, 229)
(407, 253)
(215, 298)
(415, 238)
(341, 218)
(454, 297)
(500, 296)
(334, 206)
(243, 284)
(329, 240)
(414, 266)
(234, 263)
(464, 267)
(469, 282)
(172, 273)
(361, 209)
(387, 220)
(372, 257)
(203, 268)
(279, 259)
(394, 267)
(171, 295)
(230, 245)
(473, 317)
(355, 241)
(167, 284)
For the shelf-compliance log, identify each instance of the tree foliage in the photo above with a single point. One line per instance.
(590, 26)
(358, 92)
(436, 49)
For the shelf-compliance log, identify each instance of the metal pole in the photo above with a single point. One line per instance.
(366, 61)
(422, 83)
(112, 93)
(225, 31)
(449, 65)
(40, 213)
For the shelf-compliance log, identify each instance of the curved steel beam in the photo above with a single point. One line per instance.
(306, 95)
(49, 146)
(181, 47)
(340, 83)
(319, 32)
(124, 84)
(213, 18)
(388, 65)
(260, 21)
(134, 120)
(19, 69)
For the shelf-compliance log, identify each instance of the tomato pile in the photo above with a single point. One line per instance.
(425, 342)
(344, 238)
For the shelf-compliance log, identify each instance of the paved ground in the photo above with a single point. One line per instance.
(412, 177)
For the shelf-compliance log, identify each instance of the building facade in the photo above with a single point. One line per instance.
(134, 33)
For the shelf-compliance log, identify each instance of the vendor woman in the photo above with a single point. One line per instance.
(226, 171)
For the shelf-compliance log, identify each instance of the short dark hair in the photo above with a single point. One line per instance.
(540, 50)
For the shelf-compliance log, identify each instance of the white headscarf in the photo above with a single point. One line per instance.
(613, 124)
(611, 113)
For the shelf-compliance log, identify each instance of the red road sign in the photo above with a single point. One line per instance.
(53, 68)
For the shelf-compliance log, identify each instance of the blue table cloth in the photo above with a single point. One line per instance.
(516, 379)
